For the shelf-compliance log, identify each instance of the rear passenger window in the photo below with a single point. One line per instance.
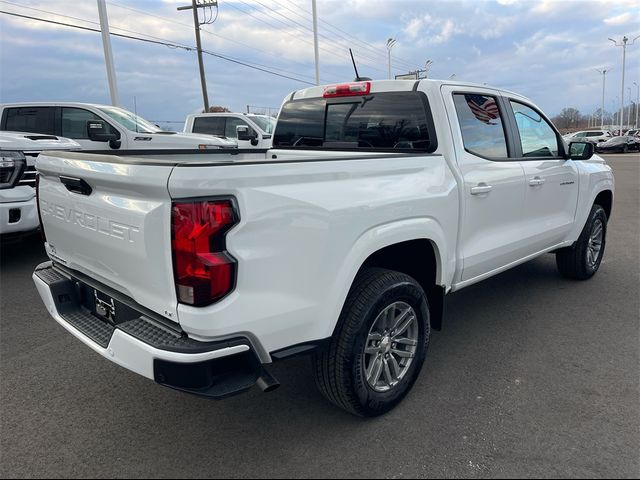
(209, 125)
(481, 125)
(538, 138)
(31, 119)
(74, 123)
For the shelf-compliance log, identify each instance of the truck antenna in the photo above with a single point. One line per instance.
(358, 77)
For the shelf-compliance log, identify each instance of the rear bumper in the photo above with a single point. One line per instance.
(155, 351)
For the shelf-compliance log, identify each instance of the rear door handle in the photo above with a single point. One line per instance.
(481, 188)
(536, 181)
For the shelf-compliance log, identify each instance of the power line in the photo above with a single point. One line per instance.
(158, 42)
(270, 12)
(169, 20)
(342, 33)
(331, 52)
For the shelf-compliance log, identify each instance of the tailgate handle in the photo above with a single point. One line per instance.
(76, 185)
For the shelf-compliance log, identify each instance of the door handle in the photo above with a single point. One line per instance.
(536, 181)
(481, 188)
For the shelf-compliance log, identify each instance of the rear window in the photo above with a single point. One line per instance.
(384, 121)
(30, 119)
(209, 125)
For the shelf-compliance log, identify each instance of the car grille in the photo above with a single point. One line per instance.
(29, 175)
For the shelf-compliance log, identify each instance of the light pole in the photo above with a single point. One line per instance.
(390, 43)
(108, 52)
(637, 102)
(602, 72)
(625, 39)
(315, 40)
(629, 111)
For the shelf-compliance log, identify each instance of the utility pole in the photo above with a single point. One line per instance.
(625, 39)
(108, 53)
(315, 40)
(195, 5)
(602, 72)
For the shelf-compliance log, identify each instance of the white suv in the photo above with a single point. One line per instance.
(594, 136)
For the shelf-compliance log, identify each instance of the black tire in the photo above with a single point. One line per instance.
(573, 261)
(625, 149)
(340, 366)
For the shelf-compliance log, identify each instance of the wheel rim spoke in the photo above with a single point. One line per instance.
(387, 374)
(406, 341)
(375, 372)
(403, 353)
(406, 323)
(395, 367)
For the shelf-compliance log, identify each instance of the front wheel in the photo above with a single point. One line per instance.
(582, 260)
(380, 344)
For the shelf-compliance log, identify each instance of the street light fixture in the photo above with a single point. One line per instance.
(625, 39)
(390, 43)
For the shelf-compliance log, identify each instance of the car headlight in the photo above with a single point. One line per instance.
(12, 165)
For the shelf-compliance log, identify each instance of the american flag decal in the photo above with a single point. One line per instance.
(484, 108)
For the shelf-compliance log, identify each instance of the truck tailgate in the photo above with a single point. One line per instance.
(111, 221)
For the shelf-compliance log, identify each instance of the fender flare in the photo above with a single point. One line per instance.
(377, 238)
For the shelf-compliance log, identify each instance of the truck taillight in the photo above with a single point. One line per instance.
(203, 270)
(347, 89)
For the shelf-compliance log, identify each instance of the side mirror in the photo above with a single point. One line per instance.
(97, 131)
(243, 132)
(581, 150)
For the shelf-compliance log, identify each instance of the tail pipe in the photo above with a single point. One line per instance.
(266, 382)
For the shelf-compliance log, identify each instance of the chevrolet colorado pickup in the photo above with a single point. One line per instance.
(377, 199)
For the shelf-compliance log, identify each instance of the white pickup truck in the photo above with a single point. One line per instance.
(249, 130)
(18, 153)
(100, 127)
(377, 200)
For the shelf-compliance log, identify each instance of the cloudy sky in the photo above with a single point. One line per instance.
(546, 49)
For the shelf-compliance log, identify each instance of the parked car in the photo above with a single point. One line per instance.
(255, 130)
(18, 152)
(622, 144)
(594, 136)
(376, 200)
(100, 127)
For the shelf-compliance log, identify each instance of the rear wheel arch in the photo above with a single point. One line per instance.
(420, 259)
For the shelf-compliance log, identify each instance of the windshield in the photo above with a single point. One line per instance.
(267, 124)
(130, 121)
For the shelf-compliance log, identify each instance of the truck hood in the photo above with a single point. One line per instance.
(179, 140)
(35, 142)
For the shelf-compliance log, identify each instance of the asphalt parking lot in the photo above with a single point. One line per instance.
(532, 376)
